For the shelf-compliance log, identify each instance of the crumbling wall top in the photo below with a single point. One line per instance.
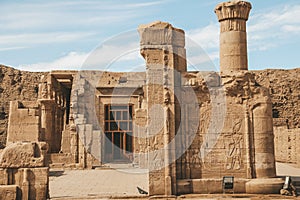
(161, 33)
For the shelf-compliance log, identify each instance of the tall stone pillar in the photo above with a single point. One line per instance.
(47, 110)
(232, 16)
(162, 46)
(263, 143)
(47, 121)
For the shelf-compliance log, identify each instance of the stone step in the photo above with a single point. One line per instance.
(57, 165)
(60, 158)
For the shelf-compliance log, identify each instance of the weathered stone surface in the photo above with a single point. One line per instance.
(287, 144)
(161, 33)
(22, 165)
(24, 122)
(26, 183)
(264, 186)
(15, 85)
(284, 89)
(8, 192)
(18, 155)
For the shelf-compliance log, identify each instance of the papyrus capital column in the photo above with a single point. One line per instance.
(232, 16)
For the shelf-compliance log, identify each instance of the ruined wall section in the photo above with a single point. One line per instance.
(284, 88)
(24, 171)
(15, 85)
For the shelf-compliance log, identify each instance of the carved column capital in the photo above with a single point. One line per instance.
(233, 10)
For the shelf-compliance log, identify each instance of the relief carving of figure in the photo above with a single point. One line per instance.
(196, 158)
(233, 144)
(158, 160)
(167, 97)
(44, 92)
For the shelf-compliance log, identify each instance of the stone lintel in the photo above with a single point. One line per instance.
(233, 10)
(47, 101)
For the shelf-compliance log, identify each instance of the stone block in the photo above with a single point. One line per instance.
(9, 192)
(212, 186)
(24, 123)
(3, 176)
(264, 186)
(18, 155)
(184, 186)
(207, 186)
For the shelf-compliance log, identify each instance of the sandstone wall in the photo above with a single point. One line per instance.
(285, 93)
(284, 88)
(15, 85)
(286, 144)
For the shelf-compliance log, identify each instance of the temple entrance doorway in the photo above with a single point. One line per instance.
(118, 143)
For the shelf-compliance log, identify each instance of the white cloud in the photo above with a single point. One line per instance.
(203, 47)
(42, 38)
(56, 14)
(291, 29)
(71, 61)
(11, 48)
(108, 56)
(273, 28)
(207, 37)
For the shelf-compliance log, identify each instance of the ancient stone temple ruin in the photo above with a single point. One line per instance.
(189, 129)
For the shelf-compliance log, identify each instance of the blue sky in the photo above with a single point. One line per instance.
(49, 35)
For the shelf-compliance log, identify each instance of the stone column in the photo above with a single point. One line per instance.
(264, 163)
(25, 185)
(232, 16)
(48, 120)
(162, 46)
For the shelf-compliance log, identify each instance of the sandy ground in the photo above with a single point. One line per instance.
(88, 183)
(93, 184)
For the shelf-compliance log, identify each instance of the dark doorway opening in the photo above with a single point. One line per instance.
(118, 133)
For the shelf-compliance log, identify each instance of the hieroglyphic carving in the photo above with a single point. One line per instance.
(233, 145)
